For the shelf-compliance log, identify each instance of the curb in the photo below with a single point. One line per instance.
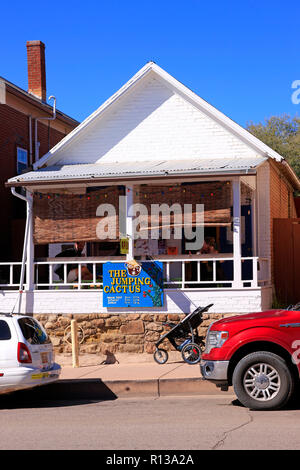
(96, 389)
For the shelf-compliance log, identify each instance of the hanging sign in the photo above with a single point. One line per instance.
(132, 284)
(124, 246)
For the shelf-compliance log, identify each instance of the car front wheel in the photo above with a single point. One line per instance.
(263, 381)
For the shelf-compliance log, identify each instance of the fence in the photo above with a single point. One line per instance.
(178, 274)
(287, 260)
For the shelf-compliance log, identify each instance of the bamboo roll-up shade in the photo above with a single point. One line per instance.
(216, 198)
(72, 217)
(216, 218)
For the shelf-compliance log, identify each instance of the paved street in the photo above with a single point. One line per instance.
(206, 422)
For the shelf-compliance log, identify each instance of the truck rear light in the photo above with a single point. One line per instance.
(24, 355)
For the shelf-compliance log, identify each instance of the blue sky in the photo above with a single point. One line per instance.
(241, 57)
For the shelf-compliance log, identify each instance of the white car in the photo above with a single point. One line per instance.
(26, 354)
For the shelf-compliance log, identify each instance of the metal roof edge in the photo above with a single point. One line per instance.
(36, 101)
(129, 177)
(290, 174)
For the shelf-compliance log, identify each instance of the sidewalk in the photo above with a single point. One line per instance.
(132, 376)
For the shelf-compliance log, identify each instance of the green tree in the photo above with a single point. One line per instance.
(282, 134)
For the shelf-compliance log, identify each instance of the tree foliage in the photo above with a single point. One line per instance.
(282, 134)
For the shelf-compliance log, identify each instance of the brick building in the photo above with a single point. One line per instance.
(25, 133)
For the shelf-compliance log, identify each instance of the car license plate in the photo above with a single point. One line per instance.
(44, 357)
(43, 375)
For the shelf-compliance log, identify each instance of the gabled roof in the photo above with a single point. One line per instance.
(261, 148)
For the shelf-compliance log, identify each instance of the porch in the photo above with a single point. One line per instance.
(235, 277)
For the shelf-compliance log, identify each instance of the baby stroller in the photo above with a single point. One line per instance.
(186, 333)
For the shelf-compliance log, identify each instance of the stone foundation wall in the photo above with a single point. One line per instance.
(120, 333)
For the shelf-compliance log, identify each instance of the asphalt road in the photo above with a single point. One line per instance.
(189, 423)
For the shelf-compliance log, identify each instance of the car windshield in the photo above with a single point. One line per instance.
(32, 331)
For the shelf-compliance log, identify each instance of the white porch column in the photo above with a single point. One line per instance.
(129, 221)
(254, 222)
(30, 244)
(237, 251)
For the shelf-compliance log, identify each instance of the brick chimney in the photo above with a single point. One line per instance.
(36, 69)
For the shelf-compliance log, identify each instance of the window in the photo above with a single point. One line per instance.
(22, 162)
(33, 332)
(4, 331)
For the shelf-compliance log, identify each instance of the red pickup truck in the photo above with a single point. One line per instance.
(257, 353)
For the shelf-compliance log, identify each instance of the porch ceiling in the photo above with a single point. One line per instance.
(140, 169)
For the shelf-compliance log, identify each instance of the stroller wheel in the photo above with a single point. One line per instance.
(191, 353)
(161, 356)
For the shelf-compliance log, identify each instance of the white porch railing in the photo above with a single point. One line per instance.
(9, 274)
(183, 273)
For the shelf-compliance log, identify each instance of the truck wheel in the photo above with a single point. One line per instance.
(263, 381)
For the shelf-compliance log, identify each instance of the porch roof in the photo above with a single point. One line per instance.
(140, 169)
